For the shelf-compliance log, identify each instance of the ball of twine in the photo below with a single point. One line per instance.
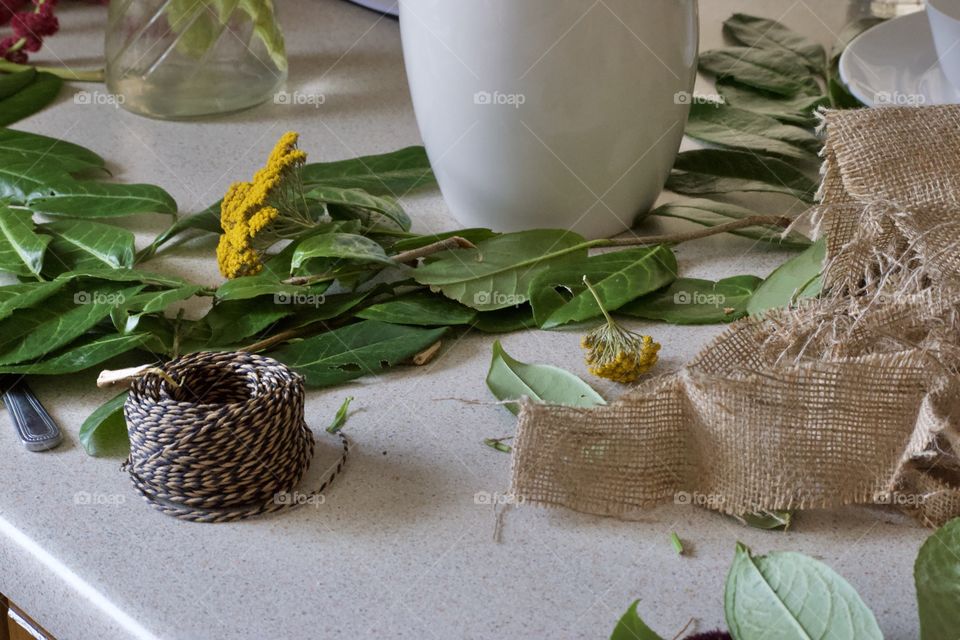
(216, 437)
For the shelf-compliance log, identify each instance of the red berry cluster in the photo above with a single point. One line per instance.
(29, 27)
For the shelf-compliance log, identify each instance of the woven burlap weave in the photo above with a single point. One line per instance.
(852, 398)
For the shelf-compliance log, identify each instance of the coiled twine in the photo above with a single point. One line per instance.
(226, 442)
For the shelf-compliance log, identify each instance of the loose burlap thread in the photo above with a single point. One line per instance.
(852, 398)
(216, 437)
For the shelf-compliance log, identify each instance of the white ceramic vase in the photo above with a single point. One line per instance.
(551, 113)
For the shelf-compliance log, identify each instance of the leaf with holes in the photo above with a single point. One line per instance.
(509, 380)
(617, 277)
(365, 348)
(497, 274)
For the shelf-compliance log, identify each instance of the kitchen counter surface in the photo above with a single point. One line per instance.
(403, 546)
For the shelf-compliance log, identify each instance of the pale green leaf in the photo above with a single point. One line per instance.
(509, 380)
(937, 576)
(790, 596)
(795, 279)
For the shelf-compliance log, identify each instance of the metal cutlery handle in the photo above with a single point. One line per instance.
(35, 427)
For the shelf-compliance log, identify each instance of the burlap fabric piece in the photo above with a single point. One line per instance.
(852, 398)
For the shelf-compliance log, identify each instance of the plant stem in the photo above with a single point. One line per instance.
(677, 238)
(454, 242)
(79, 75)
(278, 338)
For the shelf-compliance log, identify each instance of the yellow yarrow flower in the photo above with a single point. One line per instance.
(615, 353)
(255, 215)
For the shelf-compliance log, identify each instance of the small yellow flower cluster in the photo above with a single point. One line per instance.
(615, 353)
(622, 357)
(246, 212)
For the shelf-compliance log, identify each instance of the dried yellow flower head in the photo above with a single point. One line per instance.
(255, 215)
(616, 353)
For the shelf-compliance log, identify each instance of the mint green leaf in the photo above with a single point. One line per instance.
(790, 596)
(498, 273)
(82, 244)
(767, 520)
(632, 627)
(340, 418)
(420, 309)
(365, 348)
(31, 98)
(763, 33)
(509, 380)
(797, 278)
(104, 433)
(937, 575)
(738, 129)
(711, 213)
(617, 277)
(718, 171)
(776, 71)
(341, 246)
(21, 248)
(86, 199)
(690, 301)
(389, 174)
(37, 150)
(266, 28)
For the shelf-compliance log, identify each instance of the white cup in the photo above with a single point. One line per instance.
(944, 18)
(551, 113)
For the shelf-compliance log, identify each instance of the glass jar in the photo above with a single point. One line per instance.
(186, 58)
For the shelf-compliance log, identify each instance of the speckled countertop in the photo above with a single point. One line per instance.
(400, 548)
